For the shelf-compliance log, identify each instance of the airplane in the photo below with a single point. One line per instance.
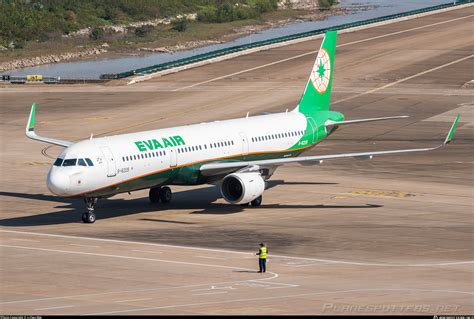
(239, 155)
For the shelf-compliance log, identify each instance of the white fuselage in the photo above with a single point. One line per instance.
(120, 165)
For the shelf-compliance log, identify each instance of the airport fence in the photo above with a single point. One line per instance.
(221, 52)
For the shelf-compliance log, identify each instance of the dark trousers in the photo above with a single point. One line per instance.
(262, 264)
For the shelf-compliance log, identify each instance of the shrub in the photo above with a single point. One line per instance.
(143, 30)
(207, 14)
(326, 4)
(263, 6)
(179, 25)
(97, 34)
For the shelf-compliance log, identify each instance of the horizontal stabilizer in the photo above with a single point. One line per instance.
(334, 123)
(30, 131)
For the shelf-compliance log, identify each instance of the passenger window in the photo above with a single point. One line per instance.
(89, 162)
(81, 162)
(70, 162)
(58, 162)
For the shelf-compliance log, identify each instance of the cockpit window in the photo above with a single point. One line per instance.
(58, 162)
(70, 162)
(89, 162)
(81, 162)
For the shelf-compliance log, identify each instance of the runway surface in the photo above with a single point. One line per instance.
(393, 235)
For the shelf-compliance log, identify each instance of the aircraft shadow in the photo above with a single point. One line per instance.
(201, 201)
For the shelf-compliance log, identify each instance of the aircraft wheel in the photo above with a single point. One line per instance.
(257, 201)
(90, 218)
(165, 194)
(154, 195)
(84, 218)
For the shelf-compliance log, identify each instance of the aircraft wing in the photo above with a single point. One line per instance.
(30, 131)
(217, 168)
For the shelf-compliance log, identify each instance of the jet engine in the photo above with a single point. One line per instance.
(242, 188)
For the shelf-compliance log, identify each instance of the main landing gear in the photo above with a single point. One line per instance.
(255, 203)
(89, 216)
(160, 194)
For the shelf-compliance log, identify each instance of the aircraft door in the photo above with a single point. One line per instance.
(245, 143)
(110, 160)
(173, 157)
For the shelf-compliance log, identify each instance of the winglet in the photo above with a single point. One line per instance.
(30, 131)
(451, 131)
(30, 126)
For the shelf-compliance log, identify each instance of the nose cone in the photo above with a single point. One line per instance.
(58, 182)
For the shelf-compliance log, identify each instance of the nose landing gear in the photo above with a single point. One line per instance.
(89, 216)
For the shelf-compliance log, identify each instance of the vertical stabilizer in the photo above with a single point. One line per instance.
(317, 95)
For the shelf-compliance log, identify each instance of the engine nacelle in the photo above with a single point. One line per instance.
(242, 188)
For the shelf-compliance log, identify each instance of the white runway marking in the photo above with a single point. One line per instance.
(147, 251)
(328, 261)
(131, 300)
(281, 297)
(313, 52)
(403, 80)
(51, 308)
(21, 239)
(122, 257)
(135, 291)
(211, 293)
(219, 258)
(89, 246)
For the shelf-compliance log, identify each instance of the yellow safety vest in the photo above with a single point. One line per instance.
(263, 253)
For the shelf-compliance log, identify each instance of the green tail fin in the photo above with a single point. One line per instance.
(317, 95)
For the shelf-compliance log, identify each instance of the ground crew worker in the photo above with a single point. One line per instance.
(262, 257)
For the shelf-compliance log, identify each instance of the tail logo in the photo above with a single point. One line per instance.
(321, 72)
